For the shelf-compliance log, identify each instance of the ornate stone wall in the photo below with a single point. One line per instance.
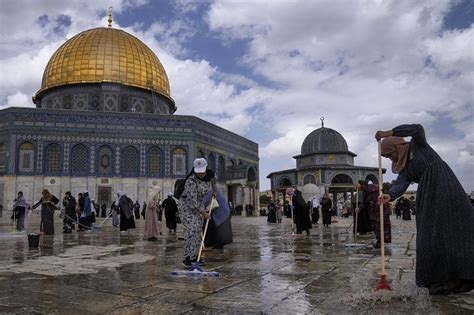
(104, 97)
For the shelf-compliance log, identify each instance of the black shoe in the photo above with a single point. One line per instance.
(187, 263)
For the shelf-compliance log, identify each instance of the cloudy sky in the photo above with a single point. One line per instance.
(268, 70)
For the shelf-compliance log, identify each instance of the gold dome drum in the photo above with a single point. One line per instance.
(106, 55)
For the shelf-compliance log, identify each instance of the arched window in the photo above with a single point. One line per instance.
(284, 182)
(154, 161)
(3, 157)
(309, 179)
(211, 162)
(221, 169)
(53, 158)
(251, 175)
(79, 160)
(179, 161)
(105, 161)
(341, 179)
(129, 161)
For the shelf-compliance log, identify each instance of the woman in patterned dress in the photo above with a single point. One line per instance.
(191, 209)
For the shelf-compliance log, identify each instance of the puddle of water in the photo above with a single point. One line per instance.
(404, 293)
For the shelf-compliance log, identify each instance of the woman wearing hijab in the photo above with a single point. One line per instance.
(191, 210)
(444, 217)
(115, 214)
(48, 205)
(301, 213)
(151, 215)
(125, 206)
(86, 218)
(171, 209)
(369, 205)
(278, 211)
(364, 224)
(326, 205)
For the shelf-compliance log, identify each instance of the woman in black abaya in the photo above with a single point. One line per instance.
(444, 216)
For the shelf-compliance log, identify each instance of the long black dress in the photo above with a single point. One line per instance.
(326, 205)
(218, 236)
(126, 214)
(363, 220)
(301, 213)
(444, 216)
(171, 209)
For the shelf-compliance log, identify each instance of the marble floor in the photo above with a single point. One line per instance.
(266, 270)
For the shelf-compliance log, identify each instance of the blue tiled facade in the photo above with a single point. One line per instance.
(128, 136)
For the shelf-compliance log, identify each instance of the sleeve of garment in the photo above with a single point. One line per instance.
(399, 186)
(37, 204)
(54, 200)
(190, 195)
(416, 131)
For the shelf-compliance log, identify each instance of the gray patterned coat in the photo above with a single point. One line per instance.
(190, 206)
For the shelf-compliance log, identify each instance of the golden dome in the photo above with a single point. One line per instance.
(106, 55)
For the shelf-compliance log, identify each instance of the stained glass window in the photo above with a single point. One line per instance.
(154, 161)
(53, 158)
(79, 159)
(129, 161)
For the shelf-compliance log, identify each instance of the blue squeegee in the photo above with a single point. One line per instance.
(196, 270)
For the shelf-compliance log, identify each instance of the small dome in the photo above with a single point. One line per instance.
(324, 140)
(106, 55)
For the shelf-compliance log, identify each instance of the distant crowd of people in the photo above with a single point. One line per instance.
(444, 216)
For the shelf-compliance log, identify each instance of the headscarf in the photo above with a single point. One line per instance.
(119, 195)
(298, 200)
(399, 145)
(154, 195)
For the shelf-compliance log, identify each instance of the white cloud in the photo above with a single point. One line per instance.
(364, 65)
(17, 100)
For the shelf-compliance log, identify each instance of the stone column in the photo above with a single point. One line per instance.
(243, 201)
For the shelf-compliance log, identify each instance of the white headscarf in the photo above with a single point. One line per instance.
(154, 194)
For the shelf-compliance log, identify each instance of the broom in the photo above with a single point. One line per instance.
(383, 285)
(99, 226)
(196, 269)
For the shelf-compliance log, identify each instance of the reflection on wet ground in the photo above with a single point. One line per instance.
(266, 270)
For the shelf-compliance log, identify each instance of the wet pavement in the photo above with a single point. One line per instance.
(266, 270)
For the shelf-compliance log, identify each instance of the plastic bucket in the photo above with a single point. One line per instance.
(33, 240)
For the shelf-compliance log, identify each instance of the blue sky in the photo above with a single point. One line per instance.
(268, 70)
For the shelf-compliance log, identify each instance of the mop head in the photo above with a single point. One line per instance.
(96, 226)
(196, 271)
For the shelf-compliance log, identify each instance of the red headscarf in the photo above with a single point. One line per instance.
(398, 145)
